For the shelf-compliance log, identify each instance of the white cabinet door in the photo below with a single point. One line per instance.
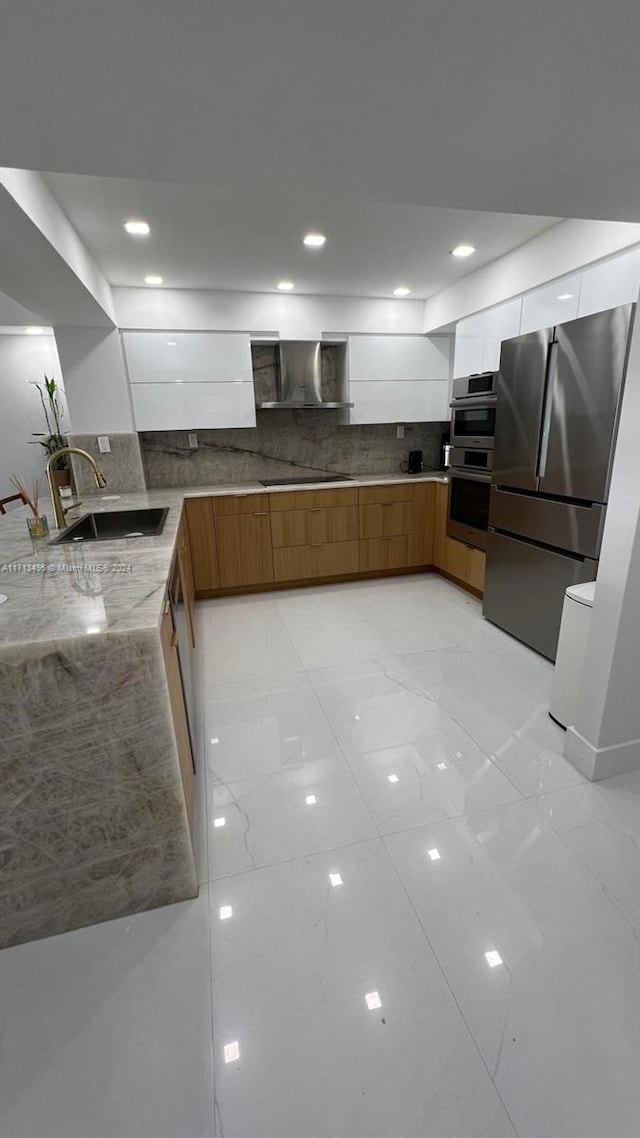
(612, 283)
(192, 406)
(188, 357)
(384, 359)
(479, 338)
(554, 304)
(400, 402)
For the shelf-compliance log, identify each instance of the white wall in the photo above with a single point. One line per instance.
(38, 205)
(290, 317)
(23, 360)
(558, 251)
(605, 739)
(95, 380)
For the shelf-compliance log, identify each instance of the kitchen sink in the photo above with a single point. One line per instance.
(115, 524)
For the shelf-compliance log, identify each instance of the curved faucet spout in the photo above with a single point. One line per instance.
(99, 477)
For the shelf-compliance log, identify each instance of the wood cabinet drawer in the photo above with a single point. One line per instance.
(303, 499)
(202, 541)
(244, 550)
(240, 504)
(382, 495)
(296, 563)
(380, 553)
(386, 519)
(309, 527)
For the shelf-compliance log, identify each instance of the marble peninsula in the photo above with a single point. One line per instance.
(93, 822)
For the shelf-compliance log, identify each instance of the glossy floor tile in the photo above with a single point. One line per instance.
(544, 968)
(106, 1031)
(416, 919)
(347, 1026)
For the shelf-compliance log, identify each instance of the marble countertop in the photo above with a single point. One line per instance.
(57, 592)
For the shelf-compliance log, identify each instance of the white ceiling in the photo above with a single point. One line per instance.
(210, 238)
(511, 107)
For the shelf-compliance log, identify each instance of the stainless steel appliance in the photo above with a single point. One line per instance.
(558, 397)
(473, 410)
(299, 378)
(469, 493)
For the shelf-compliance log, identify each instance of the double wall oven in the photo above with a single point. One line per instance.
(473, 421)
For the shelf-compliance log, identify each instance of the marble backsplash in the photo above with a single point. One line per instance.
(285, 442)
(122, 467)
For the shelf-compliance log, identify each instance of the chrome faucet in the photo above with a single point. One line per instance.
(58, 509)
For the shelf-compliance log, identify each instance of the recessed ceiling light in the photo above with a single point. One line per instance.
(219, 822)
(137, 228)
(566, 296)
(493, 958)
(335, 879)
(314, 240)
(434, 854)
(231, 1051)
(463, 250)
(373, 1000)
(402, 290)
(285, 286)
(393, 778)
(172, 344)
(153, 279)
(310, 800)
(225, 912)
(33, 331)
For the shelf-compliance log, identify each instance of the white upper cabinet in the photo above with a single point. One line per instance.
(192, 406)
(190, 380)
(554, 304)
(188, 357)
(385, 359)
(400, 402)
(610, 284)
(479, 337)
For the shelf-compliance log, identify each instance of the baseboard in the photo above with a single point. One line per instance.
(310, 582)
(596, 763)
(459, 582)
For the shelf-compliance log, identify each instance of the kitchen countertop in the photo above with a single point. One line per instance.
(58, 592)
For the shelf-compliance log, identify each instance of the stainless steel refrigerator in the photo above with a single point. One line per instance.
(558, 396)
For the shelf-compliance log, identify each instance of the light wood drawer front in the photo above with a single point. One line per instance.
(303, 499)
(381, 495)
(240, 504)
(383, 553)
(302, 561)
(309, 527)
(387, 519)
(202, 541)
(244, 550)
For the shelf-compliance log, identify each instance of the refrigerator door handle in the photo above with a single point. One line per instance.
(552, 369)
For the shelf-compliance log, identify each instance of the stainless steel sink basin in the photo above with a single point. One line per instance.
(114, 525)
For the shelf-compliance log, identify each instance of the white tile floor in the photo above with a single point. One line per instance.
(416, 919)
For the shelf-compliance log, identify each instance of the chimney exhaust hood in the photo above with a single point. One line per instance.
(299, 378)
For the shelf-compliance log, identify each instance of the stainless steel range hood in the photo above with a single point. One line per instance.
(299, 379)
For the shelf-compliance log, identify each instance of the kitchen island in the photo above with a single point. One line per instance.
(94, 805)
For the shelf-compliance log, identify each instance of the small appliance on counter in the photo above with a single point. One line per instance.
(445, 449)
(414, 463)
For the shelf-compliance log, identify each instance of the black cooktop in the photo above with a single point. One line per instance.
(312, 478)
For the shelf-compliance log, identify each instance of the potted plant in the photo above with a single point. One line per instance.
(53, 438)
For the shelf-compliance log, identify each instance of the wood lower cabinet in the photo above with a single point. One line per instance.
(315, 525)
(326, 559)
(168, 640)
(244, 548)
(243, 540)
(202, 543)
(378, 554)
(185, 568)
(457, 560)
